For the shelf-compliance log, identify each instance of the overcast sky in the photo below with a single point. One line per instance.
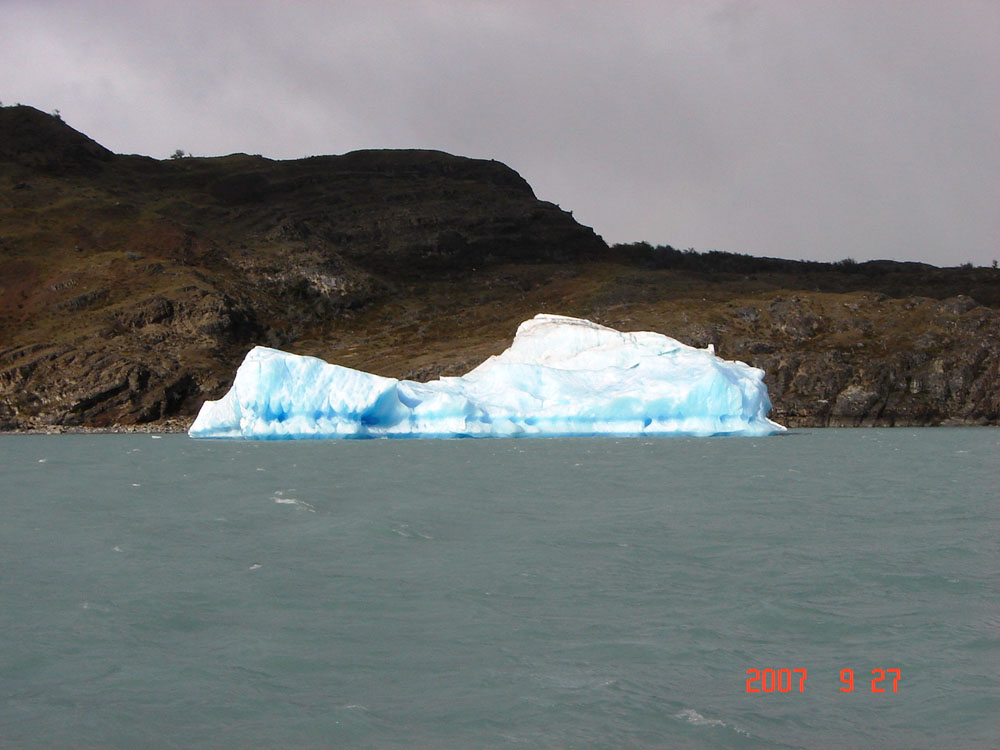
(794, 128)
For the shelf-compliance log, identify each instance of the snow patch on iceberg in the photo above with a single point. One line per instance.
(560, 376)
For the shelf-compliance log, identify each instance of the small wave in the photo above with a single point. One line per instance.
(407, 531)
(280, 500)
(693, 717)
(294, 501)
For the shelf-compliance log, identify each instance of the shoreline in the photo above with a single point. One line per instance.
(159, 428)
(181, 427)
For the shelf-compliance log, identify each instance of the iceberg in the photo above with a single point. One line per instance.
(561, 376)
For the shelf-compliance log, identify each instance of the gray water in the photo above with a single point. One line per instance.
(164, 592)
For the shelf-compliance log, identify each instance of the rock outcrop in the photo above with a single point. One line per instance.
(878, 361)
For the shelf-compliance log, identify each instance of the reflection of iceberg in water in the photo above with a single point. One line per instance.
(560, 376)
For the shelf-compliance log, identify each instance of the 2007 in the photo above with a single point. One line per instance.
(775, 679)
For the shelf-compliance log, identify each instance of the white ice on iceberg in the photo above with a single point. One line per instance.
(560, 376)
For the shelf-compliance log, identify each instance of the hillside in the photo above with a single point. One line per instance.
(130, 288)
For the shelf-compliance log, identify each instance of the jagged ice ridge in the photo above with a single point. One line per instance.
(561, 376)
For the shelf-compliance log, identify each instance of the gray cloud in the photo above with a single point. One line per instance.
(805, 130)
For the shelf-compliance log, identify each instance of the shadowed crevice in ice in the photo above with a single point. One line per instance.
(560, 376)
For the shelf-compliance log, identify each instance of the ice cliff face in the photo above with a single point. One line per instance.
(560, 376)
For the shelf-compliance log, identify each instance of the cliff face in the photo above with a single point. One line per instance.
(131, 288)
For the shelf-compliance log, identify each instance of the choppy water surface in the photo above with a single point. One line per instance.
(164, 592)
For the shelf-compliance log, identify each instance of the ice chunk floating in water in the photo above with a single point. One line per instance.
(560, 376)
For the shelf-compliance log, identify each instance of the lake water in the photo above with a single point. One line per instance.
(165, 592)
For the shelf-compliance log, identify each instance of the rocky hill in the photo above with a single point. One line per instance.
(130, 288)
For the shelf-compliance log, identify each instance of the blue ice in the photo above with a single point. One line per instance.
(561, 376)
